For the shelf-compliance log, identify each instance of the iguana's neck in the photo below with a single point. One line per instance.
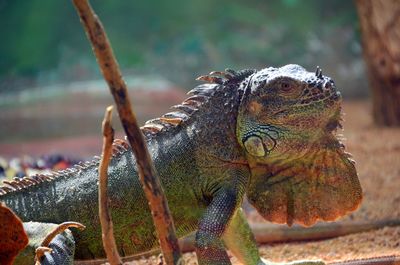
(215, 125)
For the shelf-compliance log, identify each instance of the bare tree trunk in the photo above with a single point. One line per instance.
(380, 28)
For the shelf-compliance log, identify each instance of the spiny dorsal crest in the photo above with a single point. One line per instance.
(198, 96)
(182, 112)
(227, 76)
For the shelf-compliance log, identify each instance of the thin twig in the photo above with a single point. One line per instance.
(105, 217)
(39, 253)
(44, 246)
(59, 229)
(147, 174)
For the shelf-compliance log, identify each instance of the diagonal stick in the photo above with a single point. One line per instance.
(151, 185)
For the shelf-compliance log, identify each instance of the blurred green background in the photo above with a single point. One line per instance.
(53, 97)
(42, 41)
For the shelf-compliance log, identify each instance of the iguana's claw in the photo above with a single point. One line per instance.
(297, 262)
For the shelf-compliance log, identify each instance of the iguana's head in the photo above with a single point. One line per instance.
(286, 124)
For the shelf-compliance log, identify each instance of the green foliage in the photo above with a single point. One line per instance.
(169, 36)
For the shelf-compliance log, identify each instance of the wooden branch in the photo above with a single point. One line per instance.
(379, 260)
(266, 233)
(105, 217)
(147, 174)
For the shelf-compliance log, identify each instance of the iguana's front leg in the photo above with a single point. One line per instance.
(239, 239)
(226, 199)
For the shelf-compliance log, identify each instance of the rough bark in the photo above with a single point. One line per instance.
(151, 184)
(380, 28)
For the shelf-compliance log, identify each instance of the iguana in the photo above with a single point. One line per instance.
(267, 134)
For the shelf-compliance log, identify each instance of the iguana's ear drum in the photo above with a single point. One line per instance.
(322, 186)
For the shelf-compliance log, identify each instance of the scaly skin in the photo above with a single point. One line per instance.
(268, 134)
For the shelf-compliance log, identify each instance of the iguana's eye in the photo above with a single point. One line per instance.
(286, 86)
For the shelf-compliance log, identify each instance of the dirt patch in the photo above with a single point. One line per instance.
(383, 242)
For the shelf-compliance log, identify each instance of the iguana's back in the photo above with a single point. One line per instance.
(180, 158)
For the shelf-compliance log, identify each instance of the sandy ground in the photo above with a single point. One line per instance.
(377, 152)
